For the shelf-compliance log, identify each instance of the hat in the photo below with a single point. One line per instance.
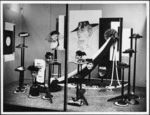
(89, 60)
(33, 68)
(48, 54)
(23, 34)
(84, 24)
(110, 33)
(135, 36)
(54, 32)
(80, 53)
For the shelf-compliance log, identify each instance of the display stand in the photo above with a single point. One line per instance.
(129, 51)
(80, 98)
(54, 65)
(48, 58)
(122, 101)
(122, 96)
(21, 69)
(34, 88)
(49, 79)
(129, 96)
(135, 37)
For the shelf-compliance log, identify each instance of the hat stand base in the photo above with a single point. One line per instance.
(126, 96)
(25, 85)
(32, 96)
(19, 91)
(22, 88)
(121, 103)
(133, 95)
(115, 98)
(132, 101)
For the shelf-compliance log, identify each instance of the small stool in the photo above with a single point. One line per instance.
(58, 64)
(122, 101)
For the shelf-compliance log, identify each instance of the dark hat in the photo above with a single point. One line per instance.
(54, 32)
(136, 36)
(89, 60)
(33, 68)
(84, 24)
(48, 54)
(80, 53)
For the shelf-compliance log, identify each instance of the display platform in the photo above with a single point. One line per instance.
(97, 100)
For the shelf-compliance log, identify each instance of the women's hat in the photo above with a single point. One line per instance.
(33, 68)
(80, 53)
(54, 32)
(48, 54)
(84, 24)
(110, 33)
(89, 60)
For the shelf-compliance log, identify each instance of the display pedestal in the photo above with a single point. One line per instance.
(135, 37)
(80, 99)
(122, 101)
(129, 97)
(21, 87)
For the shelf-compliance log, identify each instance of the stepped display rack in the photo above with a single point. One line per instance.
(21, 87)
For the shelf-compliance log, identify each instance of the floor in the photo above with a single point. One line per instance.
(96, 97)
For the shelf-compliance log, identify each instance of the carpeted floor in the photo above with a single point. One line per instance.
(96, 98)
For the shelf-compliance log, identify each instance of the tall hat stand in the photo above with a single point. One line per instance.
(48, 88)
(122, 100)
(80, 99)
(135, 37)
(21, 87)
(129, 96)
(48, 59)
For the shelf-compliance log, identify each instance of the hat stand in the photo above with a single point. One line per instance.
(135, 36)
(129, 96)
(48, 92)
(80, 99)
(34, 89)
(122, 101)
(48, 88)
(21, 87)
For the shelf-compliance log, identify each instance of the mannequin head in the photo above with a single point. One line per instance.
(34, 70)
(89, 64)
(48, 57)
(54, 36)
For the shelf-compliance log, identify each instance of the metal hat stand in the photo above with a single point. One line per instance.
(21, 87)
(135, 37)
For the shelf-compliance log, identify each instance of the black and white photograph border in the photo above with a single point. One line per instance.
(68, 86)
